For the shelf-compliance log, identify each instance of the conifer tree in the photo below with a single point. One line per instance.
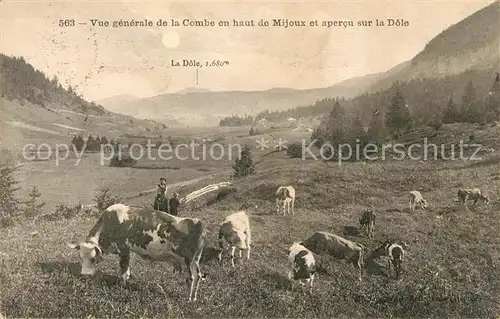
(398, 118)
(243, 165)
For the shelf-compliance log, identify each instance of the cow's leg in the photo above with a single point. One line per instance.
(290, 269)
(248, 251)
(240, 254)
(248, 242)
(194, 278)
(311, 281)
(360, 264)
(411, 205)
(293, 206)
(124, 264)
(277, 206)
(189, 279)
(397, 268)
(233, 248)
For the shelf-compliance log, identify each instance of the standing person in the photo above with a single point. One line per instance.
(173, 204)
(161, 196)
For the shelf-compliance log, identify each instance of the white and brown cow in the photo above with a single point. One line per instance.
(301, 264)
(395, 252)
(417, 199)
(285, 198)
(153, 235)
(322, 242)
(235, 231)
(473, 194)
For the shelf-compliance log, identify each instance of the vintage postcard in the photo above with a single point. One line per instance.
(260, 159)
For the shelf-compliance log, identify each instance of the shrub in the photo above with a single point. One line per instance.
(294, 150)
(243, 165)
(124, 161)
(32, 208)
(62, 211)
(104, 199)
(9, 203)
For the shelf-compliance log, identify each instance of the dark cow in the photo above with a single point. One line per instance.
(367, 221)
(151, 234)
(322, 242)
(394, 251)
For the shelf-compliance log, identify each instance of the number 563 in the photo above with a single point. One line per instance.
(67, 23)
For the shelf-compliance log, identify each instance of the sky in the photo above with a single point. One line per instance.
(103, 62)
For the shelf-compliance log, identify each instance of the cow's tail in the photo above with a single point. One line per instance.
(287, 193)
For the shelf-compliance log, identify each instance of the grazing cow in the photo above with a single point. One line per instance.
(474, 194)
(324, 242)
(235, 230)
(285, 196)
(367, 221)
(301, 264)
(394, 251)
(153, 235)
(417, 199)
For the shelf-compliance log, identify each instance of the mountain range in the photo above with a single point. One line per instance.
(34, 107)
(472, 43)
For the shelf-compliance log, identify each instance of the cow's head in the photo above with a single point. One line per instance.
(282, 193)
(424, 203)
(89, 254)
(486, 199)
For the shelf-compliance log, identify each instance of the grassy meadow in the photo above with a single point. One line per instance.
(450, 270)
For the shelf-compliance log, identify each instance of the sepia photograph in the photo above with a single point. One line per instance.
(249, 159)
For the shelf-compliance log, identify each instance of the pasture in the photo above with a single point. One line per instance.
(450, 270)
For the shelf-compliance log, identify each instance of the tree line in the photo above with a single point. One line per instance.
(398, 117)
(236, 121)
(91, 144)
(420, 94)
(20, 80)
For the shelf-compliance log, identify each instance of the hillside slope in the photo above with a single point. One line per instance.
(34, 108)
(472, 43)
(449, 268)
